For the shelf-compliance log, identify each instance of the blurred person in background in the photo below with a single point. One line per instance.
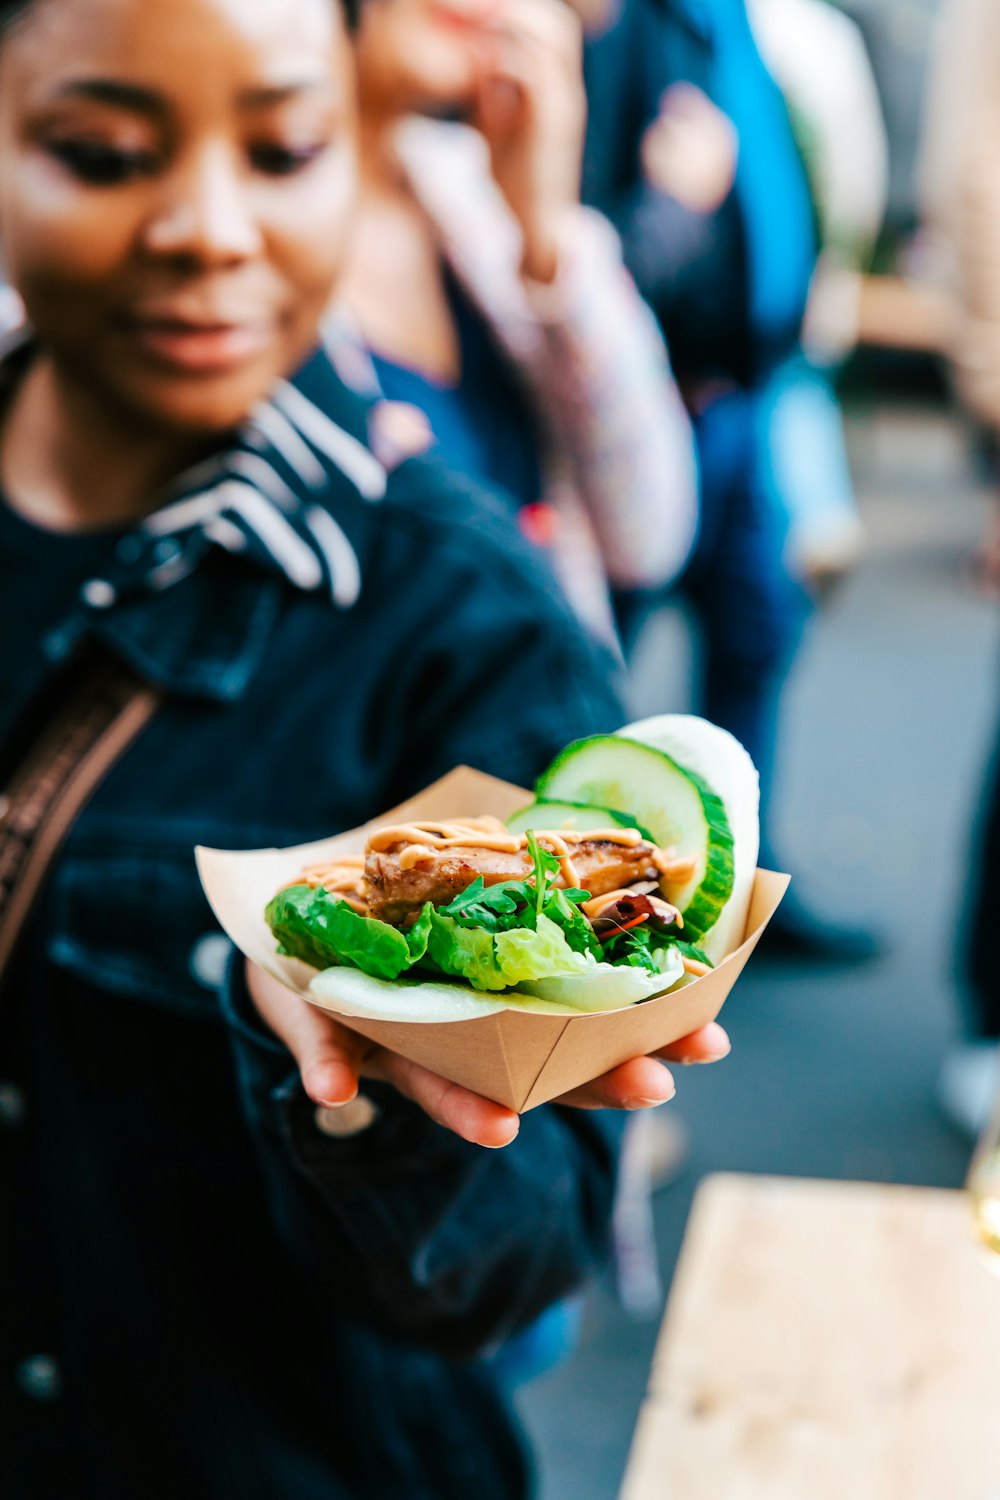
(222, 1278)
(489, 300)
(819, 59)
(691, 153)
(961, 189)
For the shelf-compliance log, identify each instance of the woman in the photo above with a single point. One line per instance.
(496, 305)
(209, 1288)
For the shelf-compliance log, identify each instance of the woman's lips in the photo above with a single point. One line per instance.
(202, 348)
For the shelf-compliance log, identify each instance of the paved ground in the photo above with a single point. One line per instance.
(832, 1074)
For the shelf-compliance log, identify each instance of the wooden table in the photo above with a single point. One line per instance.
(824, 1341)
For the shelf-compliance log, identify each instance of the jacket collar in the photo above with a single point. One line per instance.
(192, 593)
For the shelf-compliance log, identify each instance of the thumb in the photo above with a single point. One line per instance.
(328, 1055)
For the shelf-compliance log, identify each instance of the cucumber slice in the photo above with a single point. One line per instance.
(680, 810)
(578, 816)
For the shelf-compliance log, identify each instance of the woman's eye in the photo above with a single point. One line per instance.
(283, 161)
(101, 165)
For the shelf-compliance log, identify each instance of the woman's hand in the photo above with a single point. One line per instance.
(532, 111)
(332, 1059)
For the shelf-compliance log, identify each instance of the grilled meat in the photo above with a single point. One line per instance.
(396, 895)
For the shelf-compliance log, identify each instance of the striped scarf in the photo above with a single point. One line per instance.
(260, 497)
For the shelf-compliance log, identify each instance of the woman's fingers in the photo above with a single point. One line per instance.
(467, 1114)
(643, 1082)
(329, 1057)
(637, 1084)
(330, 1063)
(710, 1044)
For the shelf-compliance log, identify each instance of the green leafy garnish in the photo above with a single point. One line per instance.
(689, 950)
(546, 870)
(645, 948)
(322, 930)
(515, 905)
(495, 907)
(495, 937)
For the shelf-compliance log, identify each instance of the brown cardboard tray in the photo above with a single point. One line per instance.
(515, 1057)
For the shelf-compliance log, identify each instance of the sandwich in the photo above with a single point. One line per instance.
(628, 875)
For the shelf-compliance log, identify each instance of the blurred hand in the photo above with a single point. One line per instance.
(332, 1059)
(690, 149)
(532, 110)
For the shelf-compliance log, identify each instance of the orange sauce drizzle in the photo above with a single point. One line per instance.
(343, 877)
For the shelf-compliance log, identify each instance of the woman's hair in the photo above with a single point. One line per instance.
(12, 10)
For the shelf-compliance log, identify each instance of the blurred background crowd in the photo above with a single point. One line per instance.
(710, 291)
(826, 282)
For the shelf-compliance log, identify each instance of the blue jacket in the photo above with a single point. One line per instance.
(202, 1294)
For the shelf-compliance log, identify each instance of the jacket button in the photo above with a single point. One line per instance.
(98, 593)
(38, 1377)
(208, 958)
(11, 1105)
(349, 1119)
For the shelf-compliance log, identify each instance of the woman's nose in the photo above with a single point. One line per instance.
(205, 214)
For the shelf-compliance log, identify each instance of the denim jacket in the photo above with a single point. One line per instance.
(204, 1295)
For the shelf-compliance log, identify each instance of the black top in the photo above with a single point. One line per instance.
(41, 574)
(201, 1294)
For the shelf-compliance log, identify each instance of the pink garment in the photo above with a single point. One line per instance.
(619, 461)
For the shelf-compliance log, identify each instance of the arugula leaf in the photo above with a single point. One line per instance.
(689, 950)
(495, 907)
(546, 870)
(632, 947)
(561, 908)
(517, 905)
(644, 948)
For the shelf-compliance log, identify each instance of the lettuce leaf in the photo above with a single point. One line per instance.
(608, 986)
(463, 952)
(541, 954)
(496, 961)
(322, 930)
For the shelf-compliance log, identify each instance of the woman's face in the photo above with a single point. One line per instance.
(176, 183)
(423, 56)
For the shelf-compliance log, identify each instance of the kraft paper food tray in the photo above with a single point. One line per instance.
(516, 1058)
